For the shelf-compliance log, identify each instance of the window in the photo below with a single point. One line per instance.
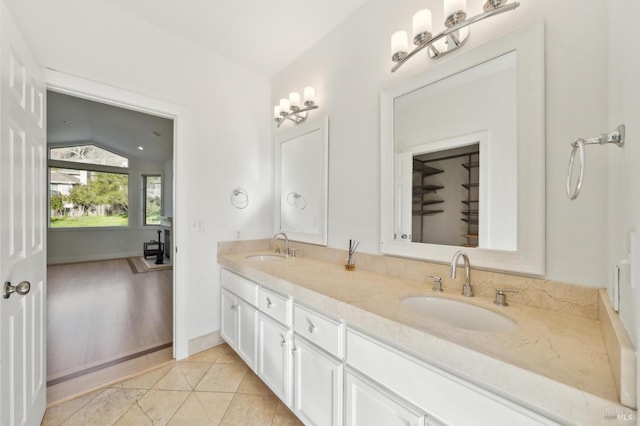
(152, 199)
(88, 154)
(87, 188)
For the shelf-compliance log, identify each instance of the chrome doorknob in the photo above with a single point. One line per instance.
(22, 289)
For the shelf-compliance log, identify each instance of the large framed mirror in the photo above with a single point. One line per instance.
(301, 181)
(463, 158)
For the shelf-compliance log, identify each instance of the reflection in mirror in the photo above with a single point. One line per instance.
(462, 158)
(301, 182)
(473, 116)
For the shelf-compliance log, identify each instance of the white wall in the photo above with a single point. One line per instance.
(351, 65)
(229, 135)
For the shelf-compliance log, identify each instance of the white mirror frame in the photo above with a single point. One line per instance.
(322, 126)
(529, 258)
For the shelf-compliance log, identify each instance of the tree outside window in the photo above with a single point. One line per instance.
(152, 185)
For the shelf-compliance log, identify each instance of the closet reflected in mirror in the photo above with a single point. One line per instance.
(446, 196)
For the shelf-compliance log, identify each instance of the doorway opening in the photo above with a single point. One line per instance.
(111, 197)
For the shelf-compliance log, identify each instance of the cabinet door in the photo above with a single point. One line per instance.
(228, 308)
(368, 404)
(274, 365)
(317, 385)
(247, 337)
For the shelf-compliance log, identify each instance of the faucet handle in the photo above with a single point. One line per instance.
(293, 252)
(501, 298)
(437, 283)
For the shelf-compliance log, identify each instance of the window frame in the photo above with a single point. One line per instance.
(90, 167)
(144, 197)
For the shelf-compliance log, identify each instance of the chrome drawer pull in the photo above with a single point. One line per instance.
(269, 303)
(312, 327)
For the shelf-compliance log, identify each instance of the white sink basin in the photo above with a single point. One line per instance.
(459, 314)
(265, 257)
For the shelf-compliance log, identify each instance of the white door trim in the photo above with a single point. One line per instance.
(87, 89)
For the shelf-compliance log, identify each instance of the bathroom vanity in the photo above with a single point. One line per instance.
(340, 347)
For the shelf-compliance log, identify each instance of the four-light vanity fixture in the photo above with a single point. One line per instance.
(451, 38)
(289, 109)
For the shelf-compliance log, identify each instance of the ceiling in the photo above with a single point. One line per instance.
(72, 120)
(264, 35)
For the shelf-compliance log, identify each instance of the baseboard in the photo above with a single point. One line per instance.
(204, 342)
(91, 258)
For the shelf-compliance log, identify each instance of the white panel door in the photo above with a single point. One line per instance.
(247, 326)
(367, 404)
(274, 359)
(228, 309)
(22, 231)
(317, 385)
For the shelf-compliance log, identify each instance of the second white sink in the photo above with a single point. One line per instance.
(265, 257)
(459, 314)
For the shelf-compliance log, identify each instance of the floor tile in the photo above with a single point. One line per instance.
(202, 409)
(144, 381)
(284, 417)
(212, 355)
(161, 405)
(135, 417)
(54, 416)
(250, 410)
(106, 408)
(223, 378)
(183, 376)
(252, 384)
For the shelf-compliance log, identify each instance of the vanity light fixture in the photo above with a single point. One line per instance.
(451, 38)
(289, 109)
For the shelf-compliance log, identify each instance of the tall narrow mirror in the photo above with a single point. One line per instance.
(301, 178)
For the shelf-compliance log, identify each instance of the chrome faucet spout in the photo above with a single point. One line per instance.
(286, 242)
(467, 288)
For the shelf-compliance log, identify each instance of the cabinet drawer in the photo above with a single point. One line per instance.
(241, 287)
(325, 332)
(276, 306)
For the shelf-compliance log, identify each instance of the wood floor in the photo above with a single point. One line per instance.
(101, 312)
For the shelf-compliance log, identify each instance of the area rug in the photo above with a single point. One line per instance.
(139, 265)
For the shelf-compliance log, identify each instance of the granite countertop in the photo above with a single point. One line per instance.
(554, 363)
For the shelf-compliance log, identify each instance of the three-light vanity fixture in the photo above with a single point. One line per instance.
(290, 109)
(451, 38)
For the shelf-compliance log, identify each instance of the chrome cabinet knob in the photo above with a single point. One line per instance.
(23, 288)
(269, 303)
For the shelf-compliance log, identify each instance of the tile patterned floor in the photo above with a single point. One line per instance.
(214, 387)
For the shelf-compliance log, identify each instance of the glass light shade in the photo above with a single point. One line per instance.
(309, 94)
(284, 105)
(399, 42)
(276, 111)
(453, 6)
(422, 22)
(294, 99)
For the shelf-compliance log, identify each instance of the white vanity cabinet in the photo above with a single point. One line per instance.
(239, 316)
(318, 367)
(369, 404)
(274, 357)
(274, 343)
(444, 398)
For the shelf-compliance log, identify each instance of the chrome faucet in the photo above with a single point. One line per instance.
(467, 289)
(286, 242)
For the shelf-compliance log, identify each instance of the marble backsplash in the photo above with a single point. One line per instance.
(537, 292)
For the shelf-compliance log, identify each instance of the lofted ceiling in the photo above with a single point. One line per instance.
(72, 120)
(262, 35)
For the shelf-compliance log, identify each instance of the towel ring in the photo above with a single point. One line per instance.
(577, 147)
(239, 198)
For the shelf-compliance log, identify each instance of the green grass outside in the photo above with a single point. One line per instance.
(89, 221)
